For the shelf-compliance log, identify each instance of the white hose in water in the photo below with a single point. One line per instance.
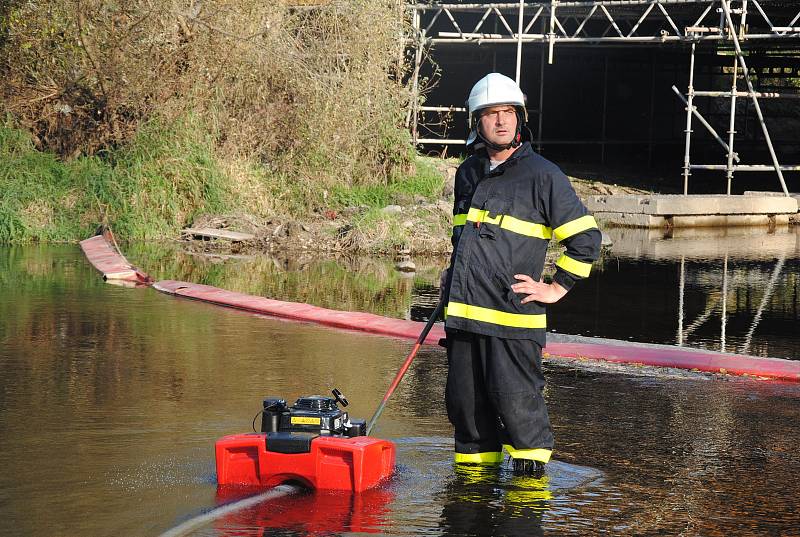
(205, 518)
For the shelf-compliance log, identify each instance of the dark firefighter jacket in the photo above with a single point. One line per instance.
(503, 221)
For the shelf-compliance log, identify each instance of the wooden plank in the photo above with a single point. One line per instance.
(210, 233)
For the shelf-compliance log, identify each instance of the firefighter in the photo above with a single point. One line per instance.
(509, 203)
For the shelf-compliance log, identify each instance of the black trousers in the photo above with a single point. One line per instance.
(494, 394)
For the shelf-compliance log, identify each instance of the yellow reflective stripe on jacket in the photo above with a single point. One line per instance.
(536, 454)
(579, 268)
(487, 457)
(482, 215)
(521, 227)
(526, 228)
(477, 313)
(574, 227)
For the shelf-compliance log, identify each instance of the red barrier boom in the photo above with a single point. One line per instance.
(678, 357)
(652, 355)
(113, 265)
(106, 258)
(350, 320)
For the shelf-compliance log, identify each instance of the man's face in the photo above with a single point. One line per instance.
(498, 124)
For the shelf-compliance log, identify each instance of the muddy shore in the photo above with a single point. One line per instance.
(418, 227)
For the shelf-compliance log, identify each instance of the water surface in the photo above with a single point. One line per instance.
(731, 290)
(112, 398)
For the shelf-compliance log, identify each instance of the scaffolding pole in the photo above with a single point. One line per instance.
(726, 8)
(519, 40)
(687, 168)
(551, 37)
(732, 127)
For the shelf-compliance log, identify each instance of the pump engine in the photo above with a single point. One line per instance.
(290, 429)
(312, 441)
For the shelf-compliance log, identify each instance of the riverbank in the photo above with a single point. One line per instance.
(146, 117)
(170, 178)
(413, 223)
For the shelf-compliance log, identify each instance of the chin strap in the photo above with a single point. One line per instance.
(516, 142)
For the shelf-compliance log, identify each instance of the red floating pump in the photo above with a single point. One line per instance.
(313, 442)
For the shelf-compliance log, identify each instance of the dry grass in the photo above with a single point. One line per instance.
(315, 94)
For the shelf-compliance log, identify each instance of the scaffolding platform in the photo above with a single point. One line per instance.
(706, 210)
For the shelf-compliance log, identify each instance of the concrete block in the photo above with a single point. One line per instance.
(762, 193)
(765, 205)
(629, 220)
(722, 204)
(673, 205)
(693, 210)
(794, 195)
(628, 203)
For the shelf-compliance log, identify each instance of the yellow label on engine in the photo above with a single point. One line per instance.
(303, 420)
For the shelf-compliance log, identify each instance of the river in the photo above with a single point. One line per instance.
(113, 397)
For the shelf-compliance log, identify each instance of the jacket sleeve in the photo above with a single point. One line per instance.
(573, 227)
(460, 206)
(460, 209)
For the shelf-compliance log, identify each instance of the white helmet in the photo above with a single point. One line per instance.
(493, 90)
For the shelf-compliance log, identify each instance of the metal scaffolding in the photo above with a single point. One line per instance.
(724, 24)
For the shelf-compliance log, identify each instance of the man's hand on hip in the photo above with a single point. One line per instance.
(547, 293)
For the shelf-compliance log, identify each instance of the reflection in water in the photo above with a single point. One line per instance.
(343, 283)
(309, 513)
(733, 290)
(730, 290)
(112, 398)
(701, 319)
(476, 502)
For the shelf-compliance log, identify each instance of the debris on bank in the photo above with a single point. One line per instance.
(421, 226)
(218, 234)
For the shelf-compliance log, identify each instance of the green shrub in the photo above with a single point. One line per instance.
(148, 189)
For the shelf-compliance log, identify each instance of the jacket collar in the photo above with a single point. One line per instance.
(522, 151)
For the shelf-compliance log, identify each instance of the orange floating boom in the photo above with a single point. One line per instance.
(652, 355)
(104, 257)
(113, 265)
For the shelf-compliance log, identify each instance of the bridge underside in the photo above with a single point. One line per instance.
(600, 86)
